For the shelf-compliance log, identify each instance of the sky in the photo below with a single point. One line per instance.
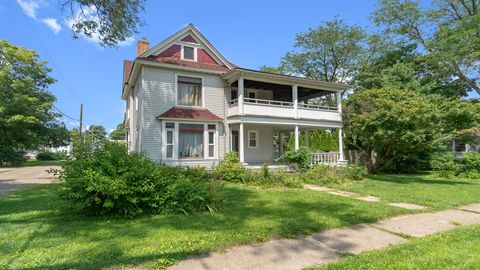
(249, 33)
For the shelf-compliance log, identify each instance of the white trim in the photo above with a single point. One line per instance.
(255, 91)
(254, 131)
(285, 122)
(182, 56)
(176, 90)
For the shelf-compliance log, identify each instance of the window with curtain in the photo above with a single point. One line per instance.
(189, 91)
(190, 141)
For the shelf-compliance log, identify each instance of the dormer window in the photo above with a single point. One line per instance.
(188, 53)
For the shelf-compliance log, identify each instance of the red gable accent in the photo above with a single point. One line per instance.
(204, 57)
(173, 51)
(187, 113)
(174, 61)
(189, 39)
(127, 69)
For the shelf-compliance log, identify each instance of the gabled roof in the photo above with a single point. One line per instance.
(192, 31)
(190, 113)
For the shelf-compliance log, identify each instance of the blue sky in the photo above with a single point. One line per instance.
(248, 33)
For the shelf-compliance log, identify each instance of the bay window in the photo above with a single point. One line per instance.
(170, 128)
(211, 141)
(189, 91)
(190, 141)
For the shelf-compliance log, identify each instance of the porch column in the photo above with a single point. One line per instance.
(340, 145)
(280, 143)
(240, 95)
(295, 99)
(306, 138)
(339, 101)
(297, 144)
(241, 150)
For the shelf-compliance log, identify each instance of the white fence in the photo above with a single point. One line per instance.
(330, 158)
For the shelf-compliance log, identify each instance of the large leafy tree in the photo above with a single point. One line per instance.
(332, 52)
(396, 129)
(27, 116)
(446, 31)
(109, 21)
(118, 133)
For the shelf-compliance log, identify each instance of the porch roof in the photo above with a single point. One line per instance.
(236, 73)
(190, 114)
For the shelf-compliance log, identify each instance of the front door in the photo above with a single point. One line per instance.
(235, 140)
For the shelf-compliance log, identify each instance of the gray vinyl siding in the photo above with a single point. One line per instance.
(159, 96)
(265, 144)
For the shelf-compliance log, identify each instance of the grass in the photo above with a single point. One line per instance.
(456, 249)
(423, 188)
(39, 232)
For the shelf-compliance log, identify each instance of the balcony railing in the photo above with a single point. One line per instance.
(289, 104)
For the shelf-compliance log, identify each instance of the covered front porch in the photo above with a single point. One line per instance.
(264, 140)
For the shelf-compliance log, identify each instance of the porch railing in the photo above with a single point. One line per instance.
(277, 103)
(325, 158)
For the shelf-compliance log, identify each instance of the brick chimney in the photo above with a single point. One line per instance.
(142, 46)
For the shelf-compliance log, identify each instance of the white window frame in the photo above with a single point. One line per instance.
(174, 140)
(195, 58)
(176, 90)
(207, 143)
(256, 139)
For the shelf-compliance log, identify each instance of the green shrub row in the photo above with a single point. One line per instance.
(108, 180)
(466, 166)
(47, 155)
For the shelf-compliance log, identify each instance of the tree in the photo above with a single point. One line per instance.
(446, 31)
(95, 133)
(396, 129)
(333, 52)
(118, 133)
(27, 116)
(112, 22)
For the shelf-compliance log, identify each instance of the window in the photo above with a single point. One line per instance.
(252, 94)
(188, 53)
(252, 139)
(189, 91)
(211, 141)
(170, 127)
(190, 141)
(234, 94)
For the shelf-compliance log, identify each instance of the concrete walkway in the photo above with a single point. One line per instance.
(328, 246)
(12, 179)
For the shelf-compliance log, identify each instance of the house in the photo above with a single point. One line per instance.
(187, 105)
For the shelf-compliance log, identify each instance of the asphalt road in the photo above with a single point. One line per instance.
(12, 179)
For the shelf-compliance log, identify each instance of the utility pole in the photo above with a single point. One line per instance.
(81, 118)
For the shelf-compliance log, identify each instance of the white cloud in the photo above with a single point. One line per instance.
(29, 7)
(52, 24)
(95, 38)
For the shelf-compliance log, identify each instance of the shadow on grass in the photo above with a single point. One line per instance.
(419, 178)
(93, 243)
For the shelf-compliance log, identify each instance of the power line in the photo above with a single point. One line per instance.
(39, 96)
(47, 53)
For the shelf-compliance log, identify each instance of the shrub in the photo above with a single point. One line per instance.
(108, 180)
(445, 164)
(324, 174)
(13, 157)
(300, 157)
(230, 169)
(469, 165)
(49, 156)
(274, 178)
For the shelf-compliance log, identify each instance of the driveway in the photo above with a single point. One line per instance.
(12, 179)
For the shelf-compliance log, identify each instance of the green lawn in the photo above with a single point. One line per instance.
(456, 249)
(425, 189)
(38, 232)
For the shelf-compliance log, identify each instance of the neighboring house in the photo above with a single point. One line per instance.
(462, 146)
(188, 105)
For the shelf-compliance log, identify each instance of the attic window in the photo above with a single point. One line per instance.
(188, 53)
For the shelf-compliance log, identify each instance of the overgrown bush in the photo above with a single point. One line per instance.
(274, 178)
(230, 169)
(445, 164)
(108, 180)
(324, 174)
(47, 155)
(301, 157)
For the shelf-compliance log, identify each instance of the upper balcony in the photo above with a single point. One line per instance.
(261, 94)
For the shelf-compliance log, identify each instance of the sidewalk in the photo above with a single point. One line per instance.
(328, 246)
